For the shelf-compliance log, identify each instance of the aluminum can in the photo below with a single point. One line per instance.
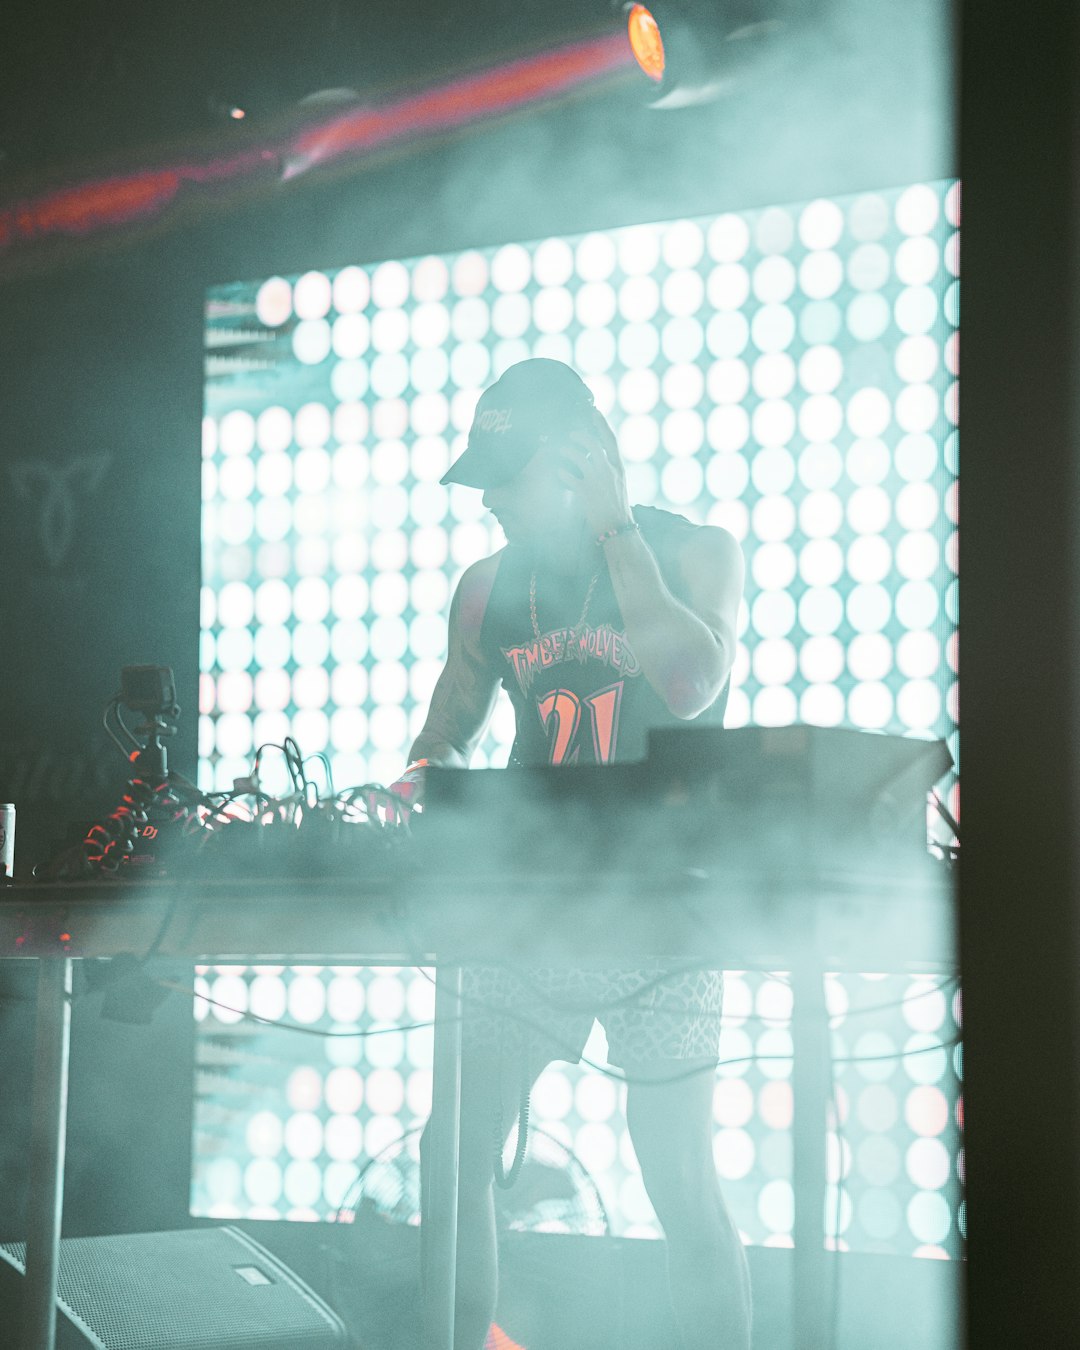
(7, 839)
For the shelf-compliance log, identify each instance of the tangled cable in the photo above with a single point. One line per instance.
(109, 843)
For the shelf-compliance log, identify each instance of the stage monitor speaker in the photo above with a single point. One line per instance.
(197, 1289)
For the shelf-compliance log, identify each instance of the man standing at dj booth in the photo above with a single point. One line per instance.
(600, 621)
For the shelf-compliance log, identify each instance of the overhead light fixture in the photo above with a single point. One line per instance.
(692, 51)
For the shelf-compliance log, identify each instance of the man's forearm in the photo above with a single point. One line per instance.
(437, 751)
(681, 657)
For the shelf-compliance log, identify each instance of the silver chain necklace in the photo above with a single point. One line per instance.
(584, 609)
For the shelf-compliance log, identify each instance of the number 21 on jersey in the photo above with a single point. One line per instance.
(562, 712)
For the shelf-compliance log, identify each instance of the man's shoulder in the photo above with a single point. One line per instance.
(474, 591)
(670, 527)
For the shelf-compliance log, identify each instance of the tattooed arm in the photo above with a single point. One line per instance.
(465, 693)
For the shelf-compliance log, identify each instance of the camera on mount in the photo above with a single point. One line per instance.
(150, 690)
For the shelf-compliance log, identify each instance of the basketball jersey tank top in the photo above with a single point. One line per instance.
(578, 691)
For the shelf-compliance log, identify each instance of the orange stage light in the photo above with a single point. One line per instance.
(646, 42)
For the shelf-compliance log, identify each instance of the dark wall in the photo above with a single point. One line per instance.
(100, 401)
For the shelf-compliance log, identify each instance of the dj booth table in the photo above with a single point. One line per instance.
(776, 901)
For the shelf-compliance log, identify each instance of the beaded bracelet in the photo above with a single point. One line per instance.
(619, 529)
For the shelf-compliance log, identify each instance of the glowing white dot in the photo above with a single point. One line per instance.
(820, 369)
(307, 998)
(237, 478)
(727, 334)
(821, 417)
(683, 386)
(917, 209)
(683, 433)
(821, 659)
(273, 429)
(350, 336)
(728, 381)
(348, 728)
(869, 510)
(349, 380)
(728, 286)
(774, 376)
(869, 558)
(918, 555)
(820, 514)
(390, 285)
(917, 261)
(821, 274)
(312, 296)
(343, 1138)
(728, 238)
(868, 267)
(916, 359)
(728, 429)
(727, 475)
(820, 466)
(682, 340)
(918, 705)
(303, 1185)
(273, 302)
(312, 427)
(918, 655)
(470, 319)
(773, 470)
(236, 433)
(870, 705)
(773, 566)
(311, 728)
(822, 705)
(917, 605)
(869, 412)
(681, 481)
(595, 257)
(775, 706)
(916, 309)
(469, 273)
(511, 268)
(773, 422)
(553, 309)
(821, 224)
(773, 518)
(917, 506)
(821, 610)
(773, 616)
(773, 328)
(868, 216)
(594, 351)
(351, 290)
(311, 341)
(774, 280)
(303, 1135)
(917, 407)
(429, 412)
(869, 607)
(638, 249)
(868, 462)
(683, 292)
(868, 317)
(430, 279)
(774, 230)
(389, 728)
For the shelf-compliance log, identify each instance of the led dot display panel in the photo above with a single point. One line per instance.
(788, 373)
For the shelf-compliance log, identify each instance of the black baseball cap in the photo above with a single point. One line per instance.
(531, 403)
